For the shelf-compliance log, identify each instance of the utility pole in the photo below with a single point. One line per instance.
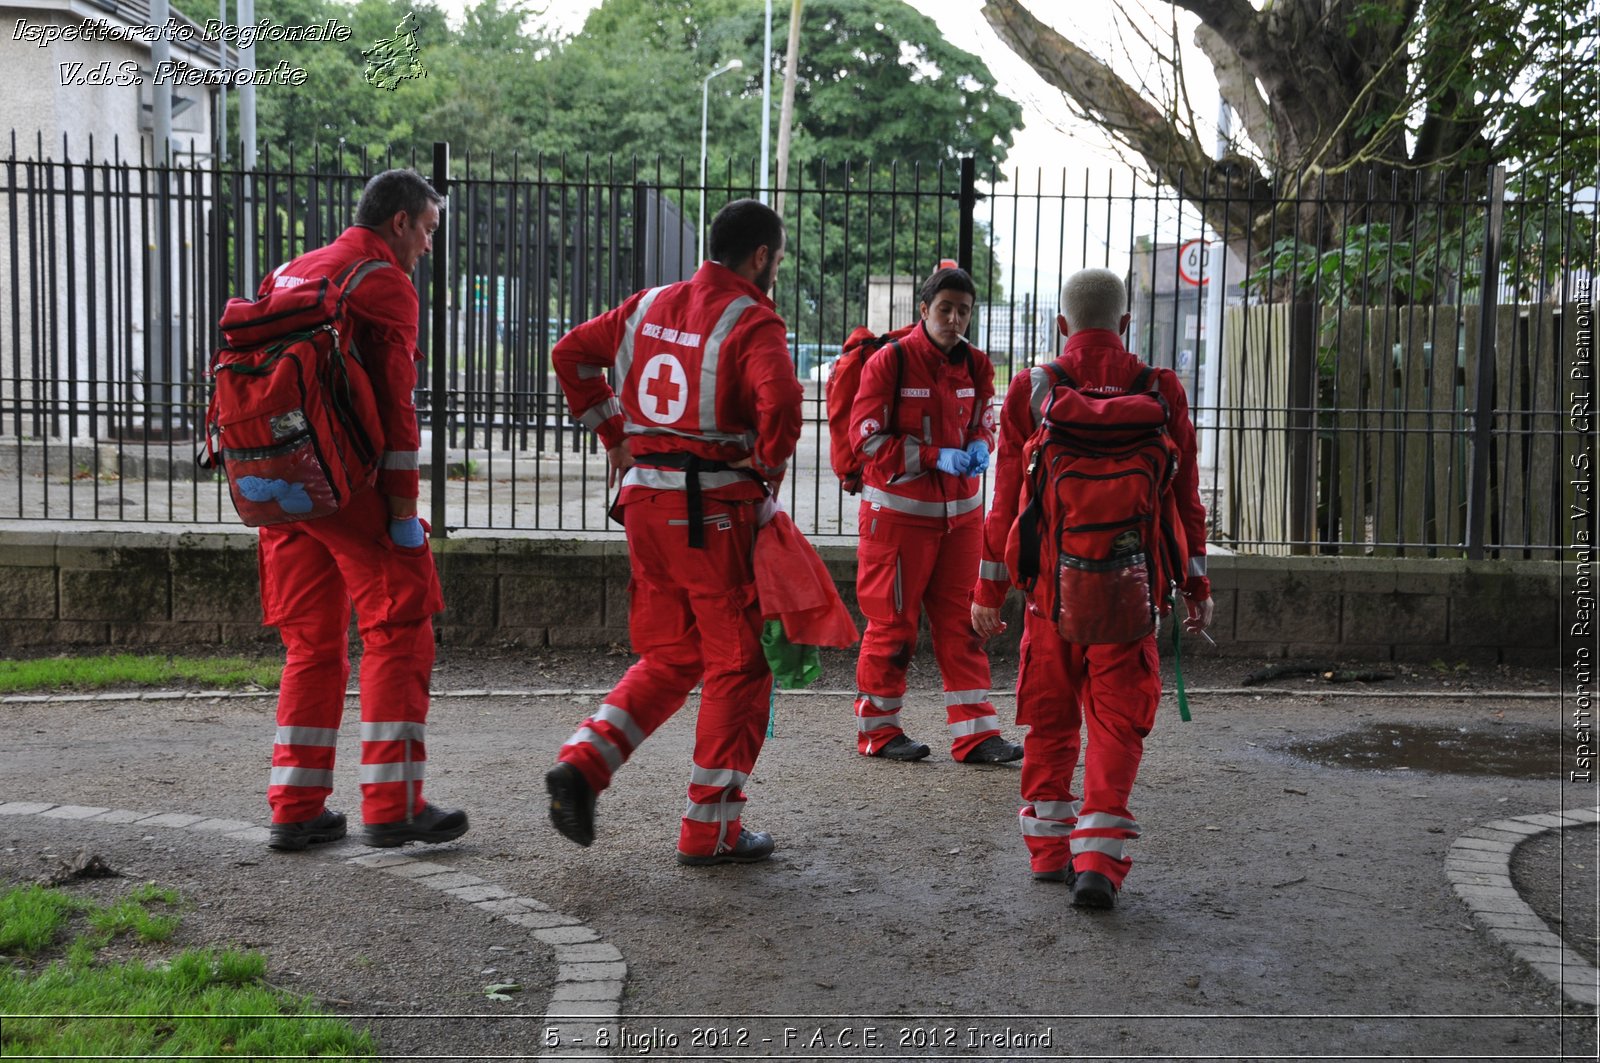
(766, 107)
(791, 64)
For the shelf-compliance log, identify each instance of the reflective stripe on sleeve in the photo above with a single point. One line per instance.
(591, 372)
(994, 570)
(618, 717)
(322, 777)
(963, 728)
(595, 416)
(1197, 565)
(307, 736)
(711, 359)
(913, 453)
(722, 777)
(398, 731)
(715, 812)
(1042, 381)
(874, 444)
(402, 459)
(395, 771)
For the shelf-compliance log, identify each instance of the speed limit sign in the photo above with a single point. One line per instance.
(1194, 263)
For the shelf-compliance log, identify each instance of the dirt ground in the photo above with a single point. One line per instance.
(1278, 906)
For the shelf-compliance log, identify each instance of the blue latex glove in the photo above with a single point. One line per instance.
(978, 451)
(406, 532)
(953, 461)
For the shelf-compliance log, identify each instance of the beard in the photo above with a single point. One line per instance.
(765, 278)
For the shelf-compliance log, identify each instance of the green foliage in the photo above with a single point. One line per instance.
(137, 1005)
(123, 669)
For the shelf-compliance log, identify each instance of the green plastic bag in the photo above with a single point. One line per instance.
(792, 666)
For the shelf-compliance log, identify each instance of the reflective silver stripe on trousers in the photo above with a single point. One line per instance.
(591, 372)
(1106, 821)
(1043, 381)
(610, 753)
(1111, 847)
(1057, 809)
(397, 731)
(919, 508)
(1197, 565)
(619, 718)
(677, 480)
(711, 358)
(322, 777)
(880, 703)
(974, 727)
(1032, 827)
(398, 771)
(877, 723)
(594, 416)
(716, 812)
(307, 736)
(992, 570)
(402, 459)
(965, 697)
(724, 777)
(624, 359)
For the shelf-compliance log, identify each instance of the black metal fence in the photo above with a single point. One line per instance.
(1388, 374)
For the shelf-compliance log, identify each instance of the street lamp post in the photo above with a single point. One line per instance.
(705, 110)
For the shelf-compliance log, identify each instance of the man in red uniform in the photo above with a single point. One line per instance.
(701, 427)
(1061, 685)
(373, 552)
(922, 427)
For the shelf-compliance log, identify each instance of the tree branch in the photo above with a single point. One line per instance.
(1238, 88)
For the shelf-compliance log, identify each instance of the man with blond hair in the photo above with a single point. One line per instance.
(1113, 688)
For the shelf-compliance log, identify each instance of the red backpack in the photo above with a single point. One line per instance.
(292, 413)
(1097, 541)
(843, 383)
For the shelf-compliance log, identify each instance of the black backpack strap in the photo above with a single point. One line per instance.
(1028, 524)
(1143, 381)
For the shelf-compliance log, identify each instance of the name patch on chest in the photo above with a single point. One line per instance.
(916, 393)
(966, 393)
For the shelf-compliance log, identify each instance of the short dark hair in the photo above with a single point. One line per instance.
(950, 277)
(391, 192)
(741, 227)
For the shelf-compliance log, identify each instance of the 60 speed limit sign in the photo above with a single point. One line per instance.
(1194, 263)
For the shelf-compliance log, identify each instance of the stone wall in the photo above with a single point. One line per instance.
(130, 588)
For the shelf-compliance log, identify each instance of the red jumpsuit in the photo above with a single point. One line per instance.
(1061, 685)
(311, 572)
(705, 376)
(921, 534)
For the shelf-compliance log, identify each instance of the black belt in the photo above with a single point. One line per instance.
(692, 466)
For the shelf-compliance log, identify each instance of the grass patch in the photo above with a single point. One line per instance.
(130, 670)
(194, 1002)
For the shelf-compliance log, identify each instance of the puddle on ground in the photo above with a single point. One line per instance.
(1510, 751)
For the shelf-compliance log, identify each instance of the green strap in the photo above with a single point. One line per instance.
(1177, 659)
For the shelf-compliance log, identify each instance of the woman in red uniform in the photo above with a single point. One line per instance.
(922, 427)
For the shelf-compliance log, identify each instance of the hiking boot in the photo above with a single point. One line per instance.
(752, 846)
(430, 824)
(1093, 890)
(571, 803)
(328, 826)
(993, 750)
(1060, 874)
(901, 748)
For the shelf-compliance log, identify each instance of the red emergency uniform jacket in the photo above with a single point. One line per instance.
(753, 412)
(386, 312)
(911, 403)
(1097, 360)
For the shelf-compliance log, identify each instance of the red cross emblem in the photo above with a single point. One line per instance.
(663, 390)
